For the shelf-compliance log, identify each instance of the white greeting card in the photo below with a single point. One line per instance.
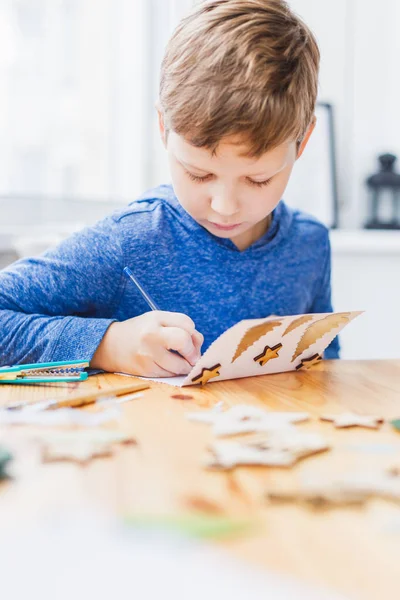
(263, 346)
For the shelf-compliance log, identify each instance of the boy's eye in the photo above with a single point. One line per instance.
(207, 177)
(260, 183)
(197, 177)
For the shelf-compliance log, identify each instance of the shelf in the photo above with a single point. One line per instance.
(362, 241)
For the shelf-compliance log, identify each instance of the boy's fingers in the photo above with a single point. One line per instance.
(158, 371)
(174, 364)
(180, 341)
(198, 340)
(147, 367)
(171, 319)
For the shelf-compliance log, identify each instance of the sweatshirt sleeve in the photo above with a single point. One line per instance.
(323, 301)
(58, 306)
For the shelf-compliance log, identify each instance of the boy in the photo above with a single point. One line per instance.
(237, 96)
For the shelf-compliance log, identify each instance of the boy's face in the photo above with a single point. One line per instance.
(229, 194)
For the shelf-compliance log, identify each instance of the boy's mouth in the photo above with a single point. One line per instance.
(222, 227)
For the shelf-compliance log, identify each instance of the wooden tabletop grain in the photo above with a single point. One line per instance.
(354, 551)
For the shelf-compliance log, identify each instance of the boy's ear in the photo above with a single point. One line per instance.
(161, 125)
(305, 139)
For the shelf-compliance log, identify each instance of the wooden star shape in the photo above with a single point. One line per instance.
(81, 446)
(307, 363)
(356, 488)
(387, 484)
(244, 418)
(328, 496)
(268, 354)
(275, 451)
(80, 452)
(207, 374)
(353, 420)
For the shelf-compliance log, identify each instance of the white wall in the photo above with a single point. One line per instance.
(365, 276)
(360, 50)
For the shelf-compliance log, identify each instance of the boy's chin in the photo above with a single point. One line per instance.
(243, 235)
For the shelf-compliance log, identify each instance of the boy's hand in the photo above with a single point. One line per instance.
(140, 346)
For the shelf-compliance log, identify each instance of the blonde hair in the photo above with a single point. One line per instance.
(245, 68)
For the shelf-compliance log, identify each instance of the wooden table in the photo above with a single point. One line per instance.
(355, 551)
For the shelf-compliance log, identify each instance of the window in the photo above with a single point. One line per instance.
(78, 91)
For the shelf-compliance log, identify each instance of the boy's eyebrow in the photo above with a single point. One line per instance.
(185, 164)
(273, 175)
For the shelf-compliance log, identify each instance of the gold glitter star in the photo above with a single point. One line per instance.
(307, 363)
(268, 354)
(207, 374)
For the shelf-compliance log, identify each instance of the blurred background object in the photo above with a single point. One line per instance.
(79, 135)
(385, 186)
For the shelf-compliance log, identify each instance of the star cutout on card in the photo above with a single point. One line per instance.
(307, 363)
(207, 374)
(268, 354)
(353, 420)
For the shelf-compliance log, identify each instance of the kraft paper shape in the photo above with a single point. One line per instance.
(263, 346)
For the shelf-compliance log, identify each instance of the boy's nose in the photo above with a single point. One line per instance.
(224, 204)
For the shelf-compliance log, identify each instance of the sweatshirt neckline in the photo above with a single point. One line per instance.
(278, 229)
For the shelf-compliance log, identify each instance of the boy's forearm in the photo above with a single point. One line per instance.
(38, 338)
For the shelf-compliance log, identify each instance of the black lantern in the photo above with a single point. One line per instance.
(386, 180)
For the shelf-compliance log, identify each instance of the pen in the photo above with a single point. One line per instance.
(148, 299)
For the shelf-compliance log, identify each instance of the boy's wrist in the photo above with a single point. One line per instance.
(103, 357)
